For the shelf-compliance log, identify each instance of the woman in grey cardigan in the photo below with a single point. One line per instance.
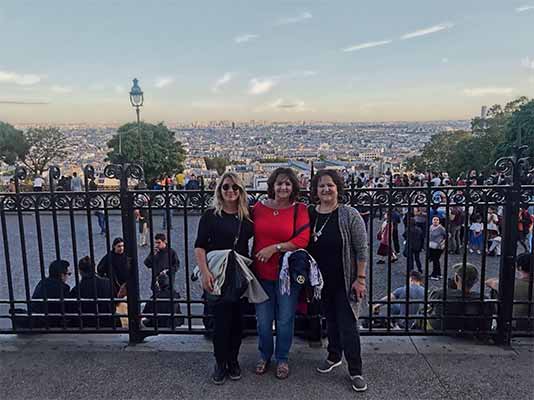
(339, 245)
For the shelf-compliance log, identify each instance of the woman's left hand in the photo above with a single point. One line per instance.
(266, 253)
(359, 288)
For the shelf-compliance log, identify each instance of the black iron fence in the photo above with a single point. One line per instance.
(40, 227)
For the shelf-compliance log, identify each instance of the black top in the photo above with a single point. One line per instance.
(114, 267)
(218, 233)
(328, 249)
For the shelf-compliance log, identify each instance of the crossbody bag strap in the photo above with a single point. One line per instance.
(236, 239)
(296, 231)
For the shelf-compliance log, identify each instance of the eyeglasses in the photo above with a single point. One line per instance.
(67, 273)
(227, 187)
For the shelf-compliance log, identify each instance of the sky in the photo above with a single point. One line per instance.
(281, 60)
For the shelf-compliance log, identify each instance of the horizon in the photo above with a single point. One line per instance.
(286, 61)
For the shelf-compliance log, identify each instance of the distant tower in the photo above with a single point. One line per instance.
(233, 125)
(483, 115)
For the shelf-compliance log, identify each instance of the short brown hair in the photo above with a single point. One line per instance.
(292, 178)
(338, 180)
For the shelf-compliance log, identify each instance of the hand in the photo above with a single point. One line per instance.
(266, 253)
(156, 250)
(208, 281)
(359, 288)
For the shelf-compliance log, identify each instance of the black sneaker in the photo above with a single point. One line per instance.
(234, 371)
(358, 383)
(328, 366)
(219, 374)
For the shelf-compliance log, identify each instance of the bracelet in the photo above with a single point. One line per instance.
(361, 277)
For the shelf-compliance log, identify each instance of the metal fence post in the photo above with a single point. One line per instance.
(123, 172)
(516, 165)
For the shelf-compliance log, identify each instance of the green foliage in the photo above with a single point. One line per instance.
(13, 144)
(459, 152)
(45, 145)
(217, 163)
(152, 145)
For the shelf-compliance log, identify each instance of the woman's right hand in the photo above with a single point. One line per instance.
(208, 281)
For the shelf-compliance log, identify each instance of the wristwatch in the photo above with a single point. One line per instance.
(279, 248)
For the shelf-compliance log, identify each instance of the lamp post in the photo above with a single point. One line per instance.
(137, 99)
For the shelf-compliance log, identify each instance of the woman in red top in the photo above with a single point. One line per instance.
(280, 224)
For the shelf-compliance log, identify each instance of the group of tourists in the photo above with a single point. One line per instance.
(324, 245)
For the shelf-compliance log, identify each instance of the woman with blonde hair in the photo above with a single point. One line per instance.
(225, 226)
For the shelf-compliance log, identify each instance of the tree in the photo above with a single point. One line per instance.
(13, 144)
(44, 146)
(521, 120)
(436, 155)
(217, 163)
(154, 145)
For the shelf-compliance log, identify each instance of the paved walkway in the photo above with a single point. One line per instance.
(77, 367)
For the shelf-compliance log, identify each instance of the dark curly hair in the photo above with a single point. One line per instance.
(292, 178)
(338, 180)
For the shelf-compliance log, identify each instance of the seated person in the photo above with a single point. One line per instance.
(417, 292)
(92, 287)
(461, 302)
(521, 287)
(162, 293)
(52, 288)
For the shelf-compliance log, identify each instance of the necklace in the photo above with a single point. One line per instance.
(316, 234)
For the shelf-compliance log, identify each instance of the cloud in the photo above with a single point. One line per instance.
(292, 106)
(528, 62)
(427, 31)
(444, 60)
(22, 102)
(19, 79)
(164, 82)
(367, 45)
(223, 80)
(61, 89)
(524, 8)
(487, 91)
(261, 86)
(247, 37)
(296, 19)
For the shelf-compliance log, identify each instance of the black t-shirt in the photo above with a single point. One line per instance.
(327, 249)
(219, 232)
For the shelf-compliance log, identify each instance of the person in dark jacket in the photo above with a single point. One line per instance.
(413, 245)
(163, 292)
(52, 288)
(114, 266)
(163, 259)
(92, 287)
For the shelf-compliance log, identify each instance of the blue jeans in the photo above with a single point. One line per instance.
(279, 308)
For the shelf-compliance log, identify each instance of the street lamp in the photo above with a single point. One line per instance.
(137, 99)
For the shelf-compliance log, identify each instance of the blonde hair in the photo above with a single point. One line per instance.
(242, 202)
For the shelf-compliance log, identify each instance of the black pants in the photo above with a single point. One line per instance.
(395, 234)
(227, 332)
(434, 255)
(342, 331)
(414, 256)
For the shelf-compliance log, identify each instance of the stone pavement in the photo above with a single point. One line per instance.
(177, 367)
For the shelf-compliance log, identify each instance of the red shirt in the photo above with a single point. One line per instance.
(272, 229)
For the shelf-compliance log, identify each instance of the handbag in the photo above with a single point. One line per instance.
(436, 245)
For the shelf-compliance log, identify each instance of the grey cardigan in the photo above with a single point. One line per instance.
(354, 239)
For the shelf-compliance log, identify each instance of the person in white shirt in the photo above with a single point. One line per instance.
(38, 183)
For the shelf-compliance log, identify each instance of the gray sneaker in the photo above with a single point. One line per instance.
(327, 366)
(358, 383)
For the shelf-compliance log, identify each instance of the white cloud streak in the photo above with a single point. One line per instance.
(290, 106)
(222, 81)
(488, 91)
(164, 82)
(296, 19)
(367, 45)
(524, 8)
(247, 37)
(19, 79)
(427, 31)
(261, 86)
(61, 89)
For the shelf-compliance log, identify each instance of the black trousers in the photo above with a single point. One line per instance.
(434, 256)
(342, 331)
(227, 331)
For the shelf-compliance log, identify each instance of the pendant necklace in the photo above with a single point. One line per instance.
(317, 233)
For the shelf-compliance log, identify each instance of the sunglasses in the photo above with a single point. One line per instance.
(227, 187)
